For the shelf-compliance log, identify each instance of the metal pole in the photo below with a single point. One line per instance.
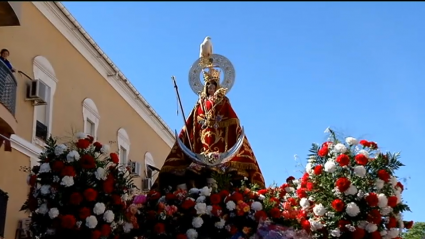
(181, 108)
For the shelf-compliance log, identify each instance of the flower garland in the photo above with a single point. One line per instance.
(78, 191)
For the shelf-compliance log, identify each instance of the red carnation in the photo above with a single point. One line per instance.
(290, 179)
(408, 224)
(116, 199)
(392, 201)
(84, 212)
(318, 169)
(83, 143)
(275, 213)
(215, 198)
(372, 199)
(338, 205)
(301, 193)
(181, 236)
(105, 230)
(159, 228)
(305, 224)
(358, 233)
(375, 235)
(68, 171)
(374, 216)
(32, 180)
(343, 160)
(342, 224)
(68, 221)
(236, 197)
(323, 151)
(392, 222)
(216, 210)
(399, 185)
(260, 215)
(262, 191)
(75, 198)
(361, 159)
(384, 175)
(342, 184)
(225, 193)
(88, 162)
(90, 194)
(153, 195)
(310, 186)
(187, 204)
(95, 234)
(114, 158)
(57, 166)
(97, 146)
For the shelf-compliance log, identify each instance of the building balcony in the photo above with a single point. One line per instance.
(8, 86)
(10, 13)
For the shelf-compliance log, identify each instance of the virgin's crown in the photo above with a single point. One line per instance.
(212, 75)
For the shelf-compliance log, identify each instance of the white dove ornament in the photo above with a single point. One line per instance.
(206, 48)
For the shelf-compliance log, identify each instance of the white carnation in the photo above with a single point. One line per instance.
(383, 200)
(257, 206)
(352, 190)
(72, 156)
(191, 234)
(81, 135)
(330, 166)
(43, 209)
(393, 232)
(206, 191)
(364, 152)
(100, 173)
(230, 205)
(60, 149)
(194, 191)
(44, 168)
(67, 181)
(197, 222)
(386, 210)
(201, 199)
(261, 197)
(304, 203)
(105, 149)
(45, 189)
(379, 184)
(108, 216)
(315, 225)
(220, 224)
(319, 210)
(336, 232)
(340, 148)
(99, 208)
(351, 141)
(394, 181)
(91, 222)
(201, 208)
(398, 195)
(360, 171)
(352, 209)
(370, 227)
(53, 213)
(362, 224)
(127, 227)
(309, 168)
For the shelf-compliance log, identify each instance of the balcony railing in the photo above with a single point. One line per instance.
(8, 87)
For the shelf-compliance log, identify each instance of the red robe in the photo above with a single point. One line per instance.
(219, 136)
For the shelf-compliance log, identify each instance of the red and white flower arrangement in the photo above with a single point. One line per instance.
(205, 213)
(79, 190)
(350, 190)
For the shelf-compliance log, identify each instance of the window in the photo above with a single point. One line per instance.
(91, 117)
(123, 155)
(42, 125)
(150, 166)
(123, 145)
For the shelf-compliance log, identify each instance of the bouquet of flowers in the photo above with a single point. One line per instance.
(203, 213)
(349, 190)
(78, 191)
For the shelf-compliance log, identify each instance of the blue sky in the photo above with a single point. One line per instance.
(357, 67)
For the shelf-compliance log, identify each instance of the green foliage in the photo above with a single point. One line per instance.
(416, 232)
